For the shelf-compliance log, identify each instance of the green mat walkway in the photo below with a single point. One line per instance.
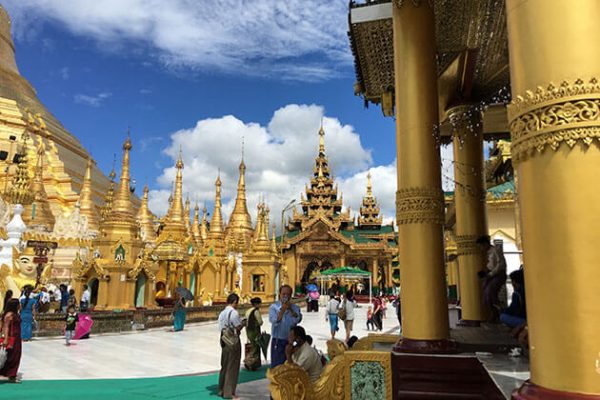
(177, 387)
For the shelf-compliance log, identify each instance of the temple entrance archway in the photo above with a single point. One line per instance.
(93, 285)
(140, 290)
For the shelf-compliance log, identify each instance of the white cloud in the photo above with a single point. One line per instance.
(298, 40)
(92, 100)
(64, 73)
(279, 158)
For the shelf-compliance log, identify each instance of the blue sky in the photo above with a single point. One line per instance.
(172, 75)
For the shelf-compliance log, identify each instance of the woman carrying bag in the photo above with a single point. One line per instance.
(11, 341)
(230, 326)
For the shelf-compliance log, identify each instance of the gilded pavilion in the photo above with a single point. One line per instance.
(468, 71)
(323, 236)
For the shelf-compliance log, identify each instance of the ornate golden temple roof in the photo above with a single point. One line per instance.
(369, 210)
(472, 53)
(322, 195)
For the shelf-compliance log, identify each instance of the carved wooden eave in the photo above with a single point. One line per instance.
(143, 266)
(83, 268)
(472, 50)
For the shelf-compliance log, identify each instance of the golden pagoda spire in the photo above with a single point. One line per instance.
(196, 225)
(239, 229)
(369, 185)
(87, 207)
(19, 192)
(186, 216)
(273, 241)
(216, 222)
(38, 213)
(261, 242)
(321, 139)
(122, 208)
(108, 200)
(176, 211)
(204, 224)
(369, 217)
(146, 219)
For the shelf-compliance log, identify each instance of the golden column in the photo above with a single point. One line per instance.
(419, 200)
(469, 203)
(554, 120)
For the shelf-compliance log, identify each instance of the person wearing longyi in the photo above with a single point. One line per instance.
(283, 315)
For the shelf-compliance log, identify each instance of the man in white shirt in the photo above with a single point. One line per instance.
(85, 299)
(231, 354)
(349, 303)
(299, 352)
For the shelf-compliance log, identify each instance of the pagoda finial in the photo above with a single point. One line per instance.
(204, 224)
(108, 200)
(239, 229)
(196, 225)
(176, 218)
(186, 216)
(86, 202)
(216, 223)
(122, 206)
(321, 139)
(369, 186)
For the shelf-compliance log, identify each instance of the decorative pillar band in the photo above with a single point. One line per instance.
(467, 244)
(420, 205)
(569, 113)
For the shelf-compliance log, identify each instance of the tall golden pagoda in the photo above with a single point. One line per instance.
(86, 204)
(146, 219)
(186, 217)
(119, 266)
(171, 249)
(196, 226)
(21, 111)
(239, 230)
(369, 210)
(110, 193)
(37, 215)
(204, 224)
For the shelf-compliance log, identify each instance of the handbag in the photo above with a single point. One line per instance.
(342, 311)
(3, 357)
(229, 335)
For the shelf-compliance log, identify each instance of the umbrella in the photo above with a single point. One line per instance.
(311, 287)
(263, 341)
(84, 326)
(185, 293)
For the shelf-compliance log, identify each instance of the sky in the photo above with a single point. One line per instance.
(207, 77)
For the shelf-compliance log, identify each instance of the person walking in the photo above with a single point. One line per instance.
(230, 326)
(72, 299)
(64, 298)
(378, 313)
(331, 314)
(11, 340)
(28, 306)
(85, 299)
(71, 320)
(254, 321)
(283, 315)
(179, 313)
(494, 276)
(348, 305)
(7, 296)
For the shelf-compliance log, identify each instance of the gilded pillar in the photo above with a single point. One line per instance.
(554, 120)
(419, 200)
(375, 276)
(469, 203)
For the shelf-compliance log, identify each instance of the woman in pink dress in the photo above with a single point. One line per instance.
(11, 340)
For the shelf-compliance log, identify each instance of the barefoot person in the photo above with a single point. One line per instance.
(230, 326)
(71, 320)
(11, 340)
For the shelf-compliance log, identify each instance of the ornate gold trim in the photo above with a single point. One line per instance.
(419, 205)
(466, 244)
(368, 342)
(568, 113)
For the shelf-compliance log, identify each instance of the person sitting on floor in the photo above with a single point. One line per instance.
(299, 352)
(516, 314)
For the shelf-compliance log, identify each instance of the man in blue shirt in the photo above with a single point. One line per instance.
(283, 316)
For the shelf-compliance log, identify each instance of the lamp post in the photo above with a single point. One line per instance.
(289, 206)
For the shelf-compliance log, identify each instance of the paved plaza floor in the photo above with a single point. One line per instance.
(159, 364)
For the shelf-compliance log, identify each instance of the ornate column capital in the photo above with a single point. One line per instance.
(548, 117)
(465, 117)
(419, 205)
(467, 244)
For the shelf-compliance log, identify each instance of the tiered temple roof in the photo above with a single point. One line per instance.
(369, 210)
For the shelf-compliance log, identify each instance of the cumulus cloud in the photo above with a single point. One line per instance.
(92, 100)
(279, 158)
(299, 40)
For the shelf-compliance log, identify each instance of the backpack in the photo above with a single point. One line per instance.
(342, 312)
